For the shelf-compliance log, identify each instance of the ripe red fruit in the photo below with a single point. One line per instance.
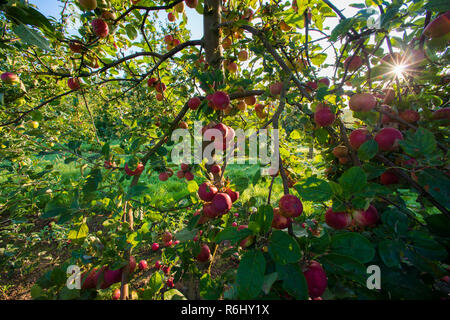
(194, 103)
(100, 28)
(388, 177)
(234, 224)
(387, 138)
(250, 100)
(73, 83)
(184, 167)
(313, 85)
(207, 191)
(170, 283)
(410, 116)
(366, 218)
(163, 176)
(158, 264)
(358, 137)
(160, 87)
(180, 174)
(243, 55)
(439, 27)
(362, 102)
(143, 265)
(337, 220)
(441, 114)
(110, 277)
(116, 294)
(279, 221)
(388, 115)
(209, 212)
(323, 116)
(167, 236)
(183, 125)
(234, 195)
(151, 82)
(191, 3)
(9, 77)
(221, 203)
(108, 15)
(215, 169)
(290, 206)
(353, 63)
(189, 176)
(316, 279)
(168, 39)
(88, 4)
(171, 17)
(389, 96)
(155, 246)
(140, 167)
(340, 151)
(76, 46)
(166, 269)
(220, 100)
(204, 254)
(325, 81)
(275, 88)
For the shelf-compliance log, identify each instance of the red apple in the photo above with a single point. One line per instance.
(204, 254)
(409, 115)
(439, 27)
(388, 177)
(290, 206)
(366, 218)
(221, 203)
(234, 195)
(116, 294)
(353, 63)
(171, 17)
(220, 100)
(143, 265)
(279, 221)
(191, 3)
(188, 176)
(163, 176)
(243, 55)
(316, 279)
(73, 83)
(155, 246)
(275, 88)
(215, 169)
(387, 138)
(441, 114)
(325, 81)
(362, 102)
(207, 191)
(323, 116)
(194, 103)
(337, 220)
(358, 137)
(76, 46)
(100, 28)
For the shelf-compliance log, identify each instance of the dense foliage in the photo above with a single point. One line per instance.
(88, 103)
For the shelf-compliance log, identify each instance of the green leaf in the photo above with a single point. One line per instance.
(353, 245)
(389, 15)
(342, 28)
(174, 294)
(283, 248)
(269, 280)
(353, 180)
(79, 232)
(294, 281)
(314, 189)
(264, 217)
(155, 283)
(232, 234)
(420, 144)
(210, 289)
(389, 251)
(31, 37)
(137, 191)
(131, 31)
(437, 5)
(439, 224)
(250, 274)
(344, 266)
(192, 186)
(368, 150)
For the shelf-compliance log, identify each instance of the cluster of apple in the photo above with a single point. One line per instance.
(164, 176)
(289, 207)
(217, 202)
(343, 219)
(185, 172)
(179, 7)
(99, 25)
(90, 280)
(227, 133)
(159, 86)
